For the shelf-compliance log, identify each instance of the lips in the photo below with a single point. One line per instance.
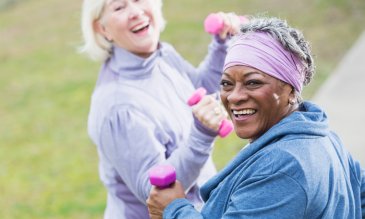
(142, 26)
(138, 30)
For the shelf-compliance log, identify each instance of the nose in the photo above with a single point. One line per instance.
(237, 96)
(135, 10)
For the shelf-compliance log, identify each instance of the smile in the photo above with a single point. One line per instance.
(245, 112)
(140, 28)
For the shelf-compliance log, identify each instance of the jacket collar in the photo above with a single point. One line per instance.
(127, 64)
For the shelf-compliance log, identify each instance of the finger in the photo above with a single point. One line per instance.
(204, 110)
(206, 100)
(210, 115)
(223, 32)
(234, 23)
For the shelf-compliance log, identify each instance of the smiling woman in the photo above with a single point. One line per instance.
(262, 76)
(270, 97)
(294, 165)
(105, 22)
(140, 36)
(138, 116)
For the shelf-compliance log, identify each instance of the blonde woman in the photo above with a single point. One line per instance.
(138, 116)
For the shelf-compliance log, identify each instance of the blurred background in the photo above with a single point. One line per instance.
(48, 165)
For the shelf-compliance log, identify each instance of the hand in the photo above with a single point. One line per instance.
(209, 112)
(160, 198)
(231, 24)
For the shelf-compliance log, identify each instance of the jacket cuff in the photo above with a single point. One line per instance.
(172, 209)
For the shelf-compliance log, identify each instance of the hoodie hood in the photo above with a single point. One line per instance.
(310, 119)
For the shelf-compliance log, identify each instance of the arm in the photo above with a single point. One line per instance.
(209, 72)
(161, 200)
(210, 69)
(269, 196)
(129, 137)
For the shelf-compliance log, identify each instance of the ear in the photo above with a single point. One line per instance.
(100, 29)
(292, 98)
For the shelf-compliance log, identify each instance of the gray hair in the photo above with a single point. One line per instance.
(291, 39)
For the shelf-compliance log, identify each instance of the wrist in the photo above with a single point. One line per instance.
(204, 130)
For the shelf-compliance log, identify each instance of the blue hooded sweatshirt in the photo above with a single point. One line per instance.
(297, 169)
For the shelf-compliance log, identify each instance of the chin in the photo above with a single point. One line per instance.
(146, 51)
(150, 46)
(244, 134)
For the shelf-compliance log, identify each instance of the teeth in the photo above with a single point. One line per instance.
(139, 27)
(244, 112)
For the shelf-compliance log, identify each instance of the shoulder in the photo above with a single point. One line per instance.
(298, 155)
(167, 47)
(112, 94)
(300, 159)
(169, 52)
(113, 100)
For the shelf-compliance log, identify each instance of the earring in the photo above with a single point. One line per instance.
(291, 101)
(109, 40)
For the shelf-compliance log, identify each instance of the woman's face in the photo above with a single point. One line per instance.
(132, 24)
(254, 100)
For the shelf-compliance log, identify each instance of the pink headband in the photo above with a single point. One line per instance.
(261, 51)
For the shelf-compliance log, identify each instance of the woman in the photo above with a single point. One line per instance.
(293, 166)
(138, 116)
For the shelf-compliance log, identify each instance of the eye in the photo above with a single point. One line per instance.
(225, 85)
(119, 6)
(254, 84)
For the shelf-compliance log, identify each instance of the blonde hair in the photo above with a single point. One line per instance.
(95, 45)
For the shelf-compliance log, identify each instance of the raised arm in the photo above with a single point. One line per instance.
(209, 71)
(133, 142)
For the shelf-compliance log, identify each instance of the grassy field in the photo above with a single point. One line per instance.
(48, 166)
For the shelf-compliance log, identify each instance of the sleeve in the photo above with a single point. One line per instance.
(272, 196)
(132, 144)
(181, 208)
(269, 196)
(209, 72)
(211, 68)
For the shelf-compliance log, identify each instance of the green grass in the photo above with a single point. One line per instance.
(48, 166)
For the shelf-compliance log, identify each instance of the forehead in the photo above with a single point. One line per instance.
(112, 1)
(109, 2)
(242, 71)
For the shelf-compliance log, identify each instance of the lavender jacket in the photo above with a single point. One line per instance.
(139, 118)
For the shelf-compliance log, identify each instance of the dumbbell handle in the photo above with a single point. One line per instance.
(213, 23)
(225, 127)
(162, 176)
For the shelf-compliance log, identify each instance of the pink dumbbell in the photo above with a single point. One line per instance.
(225, 127)
(162, 176)
(213, 23)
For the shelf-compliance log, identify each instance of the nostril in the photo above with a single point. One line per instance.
(237, 97)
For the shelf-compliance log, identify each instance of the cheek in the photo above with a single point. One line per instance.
(117, 24)
(223, 97)
(273, 110)
(276, 97)
(270, 107)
